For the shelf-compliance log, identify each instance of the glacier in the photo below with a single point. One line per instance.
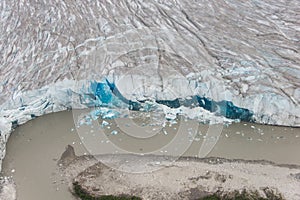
(214, 60)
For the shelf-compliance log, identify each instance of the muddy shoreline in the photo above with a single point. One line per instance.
(185, 178)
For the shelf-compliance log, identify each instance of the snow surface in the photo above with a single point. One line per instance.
(237, 55)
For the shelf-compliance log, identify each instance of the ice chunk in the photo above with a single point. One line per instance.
(114, 132)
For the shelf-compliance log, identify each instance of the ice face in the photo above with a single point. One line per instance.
(239, 59)
(106, 99)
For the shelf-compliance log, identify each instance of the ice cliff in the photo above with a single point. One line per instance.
(238, 59)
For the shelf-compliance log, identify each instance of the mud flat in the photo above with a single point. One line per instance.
(186, 178)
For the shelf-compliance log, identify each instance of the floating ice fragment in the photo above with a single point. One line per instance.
(104, 123)
(173, 122)
(165, 132)
(86, 120)
(95, 114)
(114, 132)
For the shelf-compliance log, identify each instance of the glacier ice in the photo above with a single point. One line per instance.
(205, 60)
